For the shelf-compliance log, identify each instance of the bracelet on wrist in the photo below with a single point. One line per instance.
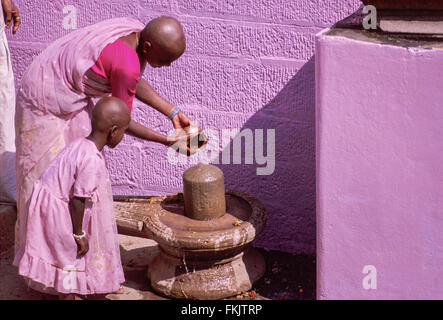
(174, 112)
(79, 236)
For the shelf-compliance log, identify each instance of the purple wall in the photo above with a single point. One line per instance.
(248, 64)
(379, 174)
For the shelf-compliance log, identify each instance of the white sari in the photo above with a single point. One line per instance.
(7, 111)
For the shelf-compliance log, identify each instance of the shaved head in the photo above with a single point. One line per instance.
(109, 112)
(165, 33)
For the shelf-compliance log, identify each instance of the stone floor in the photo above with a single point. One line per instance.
(288, 276)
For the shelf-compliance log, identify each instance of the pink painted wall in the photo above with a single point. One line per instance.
(379, 170)
(249, 64)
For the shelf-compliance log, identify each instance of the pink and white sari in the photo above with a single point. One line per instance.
(54, 105)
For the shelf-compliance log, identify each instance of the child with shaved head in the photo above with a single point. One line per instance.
(71, 245)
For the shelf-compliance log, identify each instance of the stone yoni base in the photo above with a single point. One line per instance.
(183, 279)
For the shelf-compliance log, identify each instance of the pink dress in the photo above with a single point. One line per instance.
(50, 253)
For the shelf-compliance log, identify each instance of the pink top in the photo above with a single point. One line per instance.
(119, 63)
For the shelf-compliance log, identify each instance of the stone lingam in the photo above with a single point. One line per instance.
(204, 236)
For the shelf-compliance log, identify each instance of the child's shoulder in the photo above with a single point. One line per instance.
(89, 147)
(83, 149)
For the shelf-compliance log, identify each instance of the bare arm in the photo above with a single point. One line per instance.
(77, 210)
(139, 131)
(146, 94)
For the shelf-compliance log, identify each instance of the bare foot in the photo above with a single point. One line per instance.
(120, 291)
(70, 296)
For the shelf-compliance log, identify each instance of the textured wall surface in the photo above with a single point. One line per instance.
(248, 64)
(379, 174)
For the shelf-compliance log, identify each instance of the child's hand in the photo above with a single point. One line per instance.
(82, 246)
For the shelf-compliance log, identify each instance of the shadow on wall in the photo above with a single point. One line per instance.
(289, 192)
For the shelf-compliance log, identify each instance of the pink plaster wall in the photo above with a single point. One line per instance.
(249, 64)
(379, 170)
